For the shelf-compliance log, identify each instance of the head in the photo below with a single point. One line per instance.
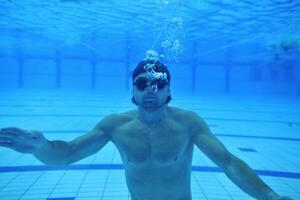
(151, 90)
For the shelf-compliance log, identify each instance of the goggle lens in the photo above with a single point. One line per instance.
(141, 83)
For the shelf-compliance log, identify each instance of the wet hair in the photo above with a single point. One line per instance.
(158, 67)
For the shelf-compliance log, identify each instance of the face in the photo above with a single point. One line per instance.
(148, 97)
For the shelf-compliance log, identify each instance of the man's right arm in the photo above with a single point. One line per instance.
(59, 152)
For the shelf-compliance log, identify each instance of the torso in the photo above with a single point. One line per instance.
(157, 158)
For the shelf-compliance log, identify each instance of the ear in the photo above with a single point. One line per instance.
(132, 91)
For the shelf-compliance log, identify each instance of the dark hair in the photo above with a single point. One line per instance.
(158, 67)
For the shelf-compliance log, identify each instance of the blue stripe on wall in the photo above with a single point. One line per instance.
(259, 137)
(217, 134)
(101, 116)
(294, 175)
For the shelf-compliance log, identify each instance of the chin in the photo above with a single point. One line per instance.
(151, 105)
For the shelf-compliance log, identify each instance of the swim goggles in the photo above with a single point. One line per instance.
(143, 83)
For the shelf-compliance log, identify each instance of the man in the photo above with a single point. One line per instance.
(155, 143)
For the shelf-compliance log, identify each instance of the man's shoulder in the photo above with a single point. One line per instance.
(129, 114)
(190, 118)
(177, 111)
(122, 117)
(117, 119)
(183, 113)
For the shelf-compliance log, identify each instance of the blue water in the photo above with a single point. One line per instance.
(65, 64)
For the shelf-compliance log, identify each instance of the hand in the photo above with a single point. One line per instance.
(21, 140)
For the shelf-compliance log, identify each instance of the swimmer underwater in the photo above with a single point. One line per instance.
(155, 142)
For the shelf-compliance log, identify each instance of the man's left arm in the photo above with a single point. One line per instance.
(237, 170)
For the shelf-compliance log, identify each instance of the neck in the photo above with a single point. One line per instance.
(153, 116)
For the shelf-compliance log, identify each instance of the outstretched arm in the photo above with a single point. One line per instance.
(237, 170)
(57, 152)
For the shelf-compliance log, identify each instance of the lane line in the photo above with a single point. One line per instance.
(28, 168)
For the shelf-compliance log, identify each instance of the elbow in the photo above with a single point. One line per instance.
(56, 163)
(67, 157)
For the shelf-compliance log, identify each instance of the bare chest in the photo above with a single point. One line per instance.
(161, 143)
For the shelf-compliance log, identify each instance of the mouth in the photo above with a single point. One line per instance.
(150, 98)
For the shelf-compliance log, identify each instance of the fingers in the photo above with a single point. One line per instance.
(7, 136)
(18, 134)
(6, 143)
(20, 140)
(11, 135)
(9, 131)
(15, 132)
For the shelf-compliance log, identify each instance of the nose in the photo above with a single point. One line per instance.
(151, 89)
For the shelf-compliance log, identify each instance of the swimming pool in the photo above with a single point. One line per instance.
(66, 64)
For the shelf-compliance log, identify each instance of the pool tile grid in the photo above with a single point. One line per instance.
(110, 184)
